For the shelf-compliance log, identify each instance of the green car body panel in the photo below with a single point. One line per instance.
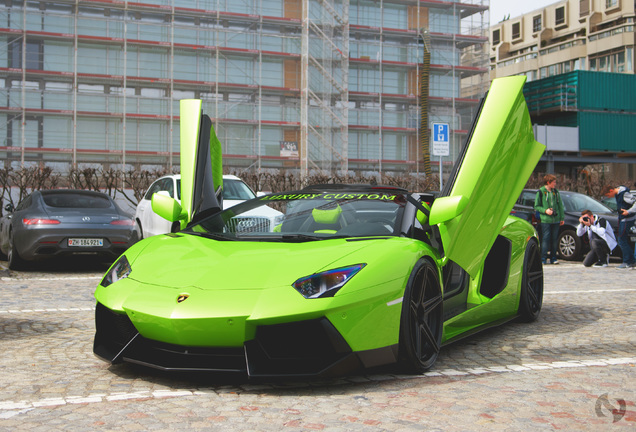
(194, 128)
(234, 288)
(497, 163)
(263, 295)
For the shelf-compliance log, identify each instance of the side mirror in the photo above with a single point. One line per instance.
(447, 208)
(9, 208)
(166, 206)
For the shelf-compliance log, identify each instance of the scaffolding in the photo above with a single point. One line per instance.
(312, 86)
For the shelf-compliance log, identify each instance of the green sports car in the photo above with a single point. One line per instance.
(347, 277)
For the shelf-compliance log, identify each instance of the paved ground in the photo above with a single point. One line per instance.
(574, 369)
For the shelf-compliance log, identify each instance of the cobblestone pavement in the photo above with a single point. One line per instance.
(573, 369)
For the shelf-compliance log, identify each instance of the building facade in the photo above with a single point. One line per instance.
(592, 35)
(304, 85)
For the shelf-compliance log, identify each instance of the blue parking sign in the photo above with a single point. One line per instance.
(441, 139)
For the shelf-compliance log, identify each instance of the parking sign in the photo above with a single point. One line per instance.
(441, 145)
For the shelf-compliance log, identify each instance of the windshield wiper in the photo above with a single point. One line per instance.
(209, 235)
(301, 237)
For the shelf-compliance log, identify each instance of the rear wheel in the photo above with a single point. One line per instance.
(569, 245)
(531, 295)
(13, 257)
(421, 320)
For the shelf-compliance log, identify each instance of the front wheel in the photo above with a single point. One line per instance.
(569, 245)
(531, 293)
(421, 321)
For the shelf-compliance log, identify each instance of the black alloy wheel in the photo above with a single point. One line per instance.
(14, 259)
(421, 321)
(531, 295)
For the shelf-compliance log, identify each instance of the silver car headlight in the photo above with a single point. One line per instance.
(120, 270)
(327, 283)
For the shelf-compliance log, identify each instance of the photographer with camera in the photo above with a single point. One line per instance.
(601, 236)
(626, 205)
(550, 211)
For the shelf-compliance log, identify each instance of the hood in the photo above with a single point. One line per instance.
(190, 261)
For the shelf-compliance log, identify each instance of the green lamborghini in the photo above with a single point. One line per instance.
(346, 277)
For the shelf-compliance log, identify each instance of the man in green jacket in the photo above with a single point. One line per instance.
(551, 213)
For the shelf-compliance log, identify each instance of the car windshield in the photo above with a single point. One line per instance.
(75, 200)
(574, 202)
(305, 216)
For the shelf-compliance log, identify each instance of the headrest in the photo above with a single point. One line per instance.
(421, 216)
(329, 216)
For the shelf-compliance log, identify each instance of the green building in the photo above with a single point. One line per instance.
(585, 118)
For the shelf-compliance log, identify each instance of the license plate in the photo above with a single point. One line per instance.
(85, 242)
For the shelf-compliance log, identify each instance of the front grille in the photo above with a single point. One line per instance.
(306, 348)
(114, 332)
(245, 224)
(302, 348)
(117, 340)
(118, 326)
(165, 356)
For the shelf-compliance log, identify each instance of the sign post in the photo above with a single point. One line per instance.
(441, 145)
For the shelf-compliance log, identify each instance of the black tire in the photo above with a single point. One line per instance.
(141, 230)
(569, 246)
(13, 257)
(531, 293)
(422, 319)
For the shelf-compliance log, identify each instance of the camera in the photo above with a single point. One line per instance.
(586, 218)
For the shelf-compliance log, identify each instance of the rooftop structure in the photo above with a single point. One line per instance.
(594, 35)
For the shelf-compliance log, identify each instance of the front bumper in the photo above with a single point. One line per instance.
(305, 348)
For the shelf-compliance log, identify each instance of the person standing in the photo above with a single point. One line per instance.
(551, 214)
(601, 236)
(626, 207)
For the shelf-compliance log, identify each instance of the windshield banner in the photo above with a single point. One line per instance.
(331, 196)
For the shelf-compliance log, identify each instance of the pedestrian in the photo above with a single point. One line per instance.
(550, 211)
(601, 236)
(626, 207)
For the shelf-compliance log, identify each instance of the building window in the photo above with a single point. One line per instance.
(559, 16)
(619, 62)
(536, 23)
(609, 4)
(33, 55)
(584, 8)
(516, 30)
(496, 36)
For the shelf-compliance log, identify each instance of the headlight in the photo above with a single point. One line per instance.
(325, 284)
(120, 270)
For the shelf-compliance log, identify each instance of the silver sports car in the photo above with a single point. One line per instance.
(53, 223)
